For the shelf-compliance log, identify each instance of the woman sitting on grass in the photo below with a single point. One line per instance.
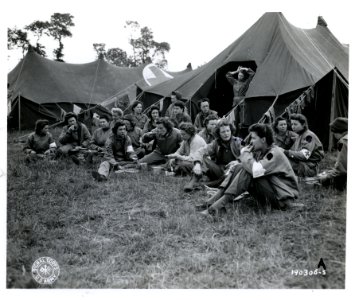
(118, 152)
(283, 137)
(138, 116)
(167, 140)
(182, 160)
(40, 143)
(264, 172)
(217, 157)
(336, 176)
(307, 150)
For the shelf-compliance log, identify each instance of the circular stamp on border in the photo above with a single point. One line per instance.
(45, 270)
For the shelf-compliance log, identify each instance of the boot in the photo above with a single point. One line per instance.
(218, 207)
(211, 200)
(190, 185)
(98, 177)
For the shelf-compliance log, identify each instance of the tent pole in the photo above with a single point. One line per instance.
(19, 113)
(331, 139)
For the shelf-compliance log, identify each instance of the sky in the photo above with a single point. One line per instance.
(196, 31)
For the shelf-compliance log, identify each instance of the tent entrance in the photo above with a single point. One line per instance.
(219, 90)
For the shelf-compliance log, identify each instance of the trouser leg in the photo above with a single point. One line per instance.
(104, 168)
(64, 150)
(153, 158)
(303, 169)
(212, 170)
(183, 167)
(263, 192)
(239, 184)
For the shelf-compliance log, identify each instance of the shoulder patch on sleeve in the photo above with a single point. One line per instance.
(269, 156)
(308, 138)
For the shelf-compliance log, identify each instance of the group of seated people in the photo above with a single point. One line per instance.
(267, 164)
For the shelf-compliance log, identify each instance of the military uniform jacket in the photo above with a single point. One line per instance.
(285, 141)
(81, 137)
(340, 167)
(119, 149)
(164, 144)
(213, 149)
(275, 166)
(307, 148)
(99, 138)
(199, 120)
(39, 143)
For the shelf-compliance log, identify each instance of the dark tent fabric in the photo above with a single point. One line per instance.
(287, 60)
(39, 87)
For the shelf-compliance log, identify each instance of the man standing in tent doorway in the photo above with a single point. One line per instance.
(240, 87)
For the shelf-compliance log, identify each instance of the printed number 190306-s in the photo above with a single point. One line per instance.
(306, 272)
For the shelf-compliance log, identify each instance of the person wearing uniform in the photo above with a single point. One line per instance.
(74, 137)
(118, 152)
(307, 150)
(138, 116)
(179, 115)
(337, 176)
(40, 143)
(283, 137)
(99, 138)
(265, 172)
(167, 140)
(208, 132)
(203, 114)
(240, 84)
(213, 159)
(182, 160)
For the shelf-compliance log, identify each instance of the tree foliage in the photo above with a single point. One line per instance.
(38, 28)
(17, 38)
(144, 49)
(58, 27)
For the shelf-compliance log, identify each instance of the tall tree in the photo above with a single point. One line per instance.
(59, 28)
(38, 28)
(144, 49)
(17, 38)
(118, 57)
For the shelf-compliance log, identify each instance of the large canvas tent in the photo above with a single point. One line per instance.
(42, 88)
(287, 60)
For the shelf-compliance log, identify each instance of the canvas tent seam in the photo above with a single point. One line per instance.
(320, 52)
(94, 83)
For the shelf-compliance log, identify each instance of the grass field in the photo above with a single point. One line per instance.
(142, 231)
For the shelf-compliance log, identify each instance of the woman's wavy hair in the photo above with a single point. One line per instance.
(302, 119)
(117, 124)
(221, 123)
(276, 122)
(165, 121)
(209, 118)
(135, 103)
(152, 108)
(188, 127)
(263, 131)
(39, 125)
